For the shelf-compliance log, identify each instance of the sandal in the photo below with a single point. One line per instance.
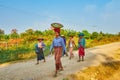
(78, 60)
(61, 69)
(55, 75)
(82, 59)
(37, 63)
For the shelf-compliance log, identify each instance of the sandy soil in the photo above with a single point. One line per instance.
(27, 70)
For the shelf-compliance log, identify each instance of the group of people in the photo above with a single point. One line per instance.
(59, 46)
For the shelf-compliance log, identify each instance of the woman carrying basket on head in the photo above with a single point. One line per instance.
(58, 46)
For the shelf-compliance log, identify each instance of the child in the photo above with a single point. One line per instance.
(39, 50)
(81, 46)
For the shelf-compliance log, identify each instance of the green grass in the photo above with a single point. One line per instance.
(15, 54)
(19, 54)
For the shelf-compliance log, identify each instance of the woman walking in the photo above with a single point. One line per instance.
(39, 50)
(71, 45)
(81, 46)
(59, 46)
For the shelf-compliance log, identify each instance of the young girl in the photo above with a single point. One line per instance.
(39, 50)
(81, 46)
(71, 45)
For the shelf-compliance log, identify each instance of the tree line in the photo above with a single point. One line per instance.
(31, 35)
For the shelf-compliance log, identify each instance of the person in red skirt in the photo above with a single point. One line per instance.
(81, 47)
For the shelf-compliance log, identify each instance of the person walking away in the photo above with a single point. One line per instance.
(39, 50)
(81, 47)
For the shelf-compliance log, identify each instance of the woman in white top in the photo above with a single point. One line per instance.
(71, 45)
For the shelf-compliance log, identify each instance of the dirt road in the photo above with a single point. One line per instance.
(27, 70)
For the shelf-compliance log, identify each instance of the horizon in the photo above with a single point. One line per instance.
(78, 15)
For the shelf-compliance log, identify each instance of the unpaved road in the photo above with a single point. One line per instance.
(27, 70)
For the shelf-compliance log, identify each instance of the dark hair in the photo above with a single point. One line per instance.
(71, 36)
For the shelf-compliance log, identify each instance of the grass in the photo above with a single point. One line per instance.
(15, 54)
(105, 71)
(22, 53)
(117, 54)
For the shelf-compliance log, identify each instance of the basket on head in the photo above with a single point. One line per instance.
(56, 25)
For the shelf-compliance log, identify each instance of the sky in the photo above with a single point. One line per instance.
(91, 15)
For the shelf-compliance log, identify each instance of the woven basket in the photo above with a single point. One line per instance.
(56, 25)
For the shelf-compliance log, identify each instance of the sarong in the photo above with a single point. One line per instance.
(58, 55)
(81, 51)
(40, 54)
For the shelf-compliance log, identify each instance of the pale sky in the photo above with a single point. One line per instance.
(91, 15)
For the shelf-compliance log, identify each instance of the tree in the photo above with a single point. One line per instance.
(37, 32)
(94, 35)
(109, 35)
(1, 31)
(30, 31)
(47, 32)
(14, 34)
(6, 37)
(29, 35)
(14, 31)
(86, 34)
(23, 35)
(1, 34)
(71, 33)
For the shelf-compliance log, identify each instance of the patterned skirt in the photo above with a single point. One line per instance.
(58, 55)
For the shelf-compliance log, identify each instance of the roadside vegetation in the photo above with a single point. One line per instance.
(105, 71)
(20, 46)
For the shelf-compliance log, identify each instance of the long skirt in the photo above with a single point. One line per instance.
(81, 51)
(40, 54)
(58, 55)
